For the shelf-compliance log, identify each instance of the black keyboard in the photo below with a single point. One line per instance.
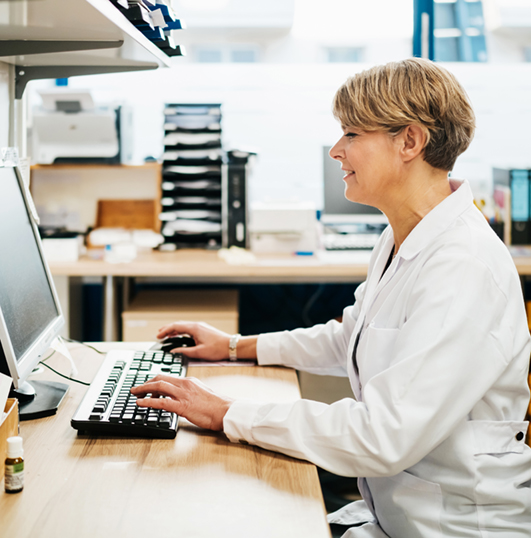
(109, 407)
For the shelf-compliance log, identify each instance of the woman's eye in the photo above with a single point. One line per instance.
(350, 135)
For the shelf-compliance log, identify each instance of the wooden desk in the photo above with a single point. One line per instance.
(202, 267)
(197, 485)
(196, 265)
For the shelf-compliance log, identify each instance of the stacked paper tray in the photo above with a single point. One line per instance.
(191, 177)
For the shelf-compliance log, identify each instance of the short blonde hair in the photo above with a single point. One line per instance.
(411, 92)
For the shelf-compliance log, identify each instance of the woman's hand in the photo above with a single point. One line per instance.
(210, 343)
(187, 397)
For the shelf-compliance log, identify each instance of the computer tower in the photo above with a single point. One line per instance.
(235, 175)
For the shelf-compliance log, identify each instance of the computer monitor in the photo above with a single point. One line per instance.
(337, 210)
(30, 314)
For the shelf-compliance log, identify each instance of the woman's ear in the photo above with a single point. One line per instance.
(413, 141)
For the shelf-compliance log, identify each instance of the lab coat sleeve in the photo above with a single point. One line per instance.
(320, 349)
(459, 333)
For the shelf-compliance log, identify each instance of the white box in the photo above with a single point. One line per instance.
(65, 249)
(283, 227)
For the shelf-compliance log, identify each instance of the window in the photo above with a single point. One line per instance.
(243, 55)
(344, 54)
(208, 56)
(226, 54)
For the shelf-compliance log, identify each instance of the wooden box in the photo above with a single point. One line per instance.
(150, 310)
(131, 214)
(8, 428)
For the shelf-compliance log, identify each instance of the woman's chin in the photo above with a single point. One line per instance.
(353, 195)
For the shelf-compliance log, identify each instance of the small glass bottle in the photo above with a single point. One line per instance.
(14, 466)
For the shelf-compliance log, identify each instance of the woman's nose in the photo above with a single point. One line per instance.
(336, 151)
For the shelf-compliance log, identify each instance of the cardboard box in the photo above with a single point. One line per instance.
(8, 428)
(130, 214)
(152, 309)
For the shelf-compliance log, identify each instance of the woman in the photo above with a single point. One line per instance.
(436, 345)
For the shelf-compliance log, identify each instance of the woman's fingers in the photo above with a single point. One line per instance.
(177, 328)
(158, 385)
(187, 397)
(211, 343)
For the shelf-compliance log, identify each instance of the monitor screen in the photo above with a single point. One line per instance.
(335, 203)
(30, 315)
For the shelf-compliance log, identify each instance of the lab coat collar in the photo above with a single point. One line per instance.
(438, 219)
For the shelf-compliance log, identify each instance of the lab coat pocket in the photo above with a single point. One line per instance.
(497, 436)
(376, 350)
(407, 506)
(501, 465)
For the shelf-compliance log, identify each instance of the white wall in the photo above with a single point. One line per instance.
(383, 29)
(283, 111)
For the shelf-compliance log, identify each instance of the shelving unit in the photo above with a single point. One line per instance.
(192, 176)
(57, 38)
(68, 194)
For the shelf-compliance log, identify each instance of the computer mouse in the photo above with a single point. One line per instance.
(173, 342)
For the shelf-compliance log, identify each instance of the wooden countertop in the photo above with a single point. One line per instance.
(197, 264)
(206, 265)
(197, 485)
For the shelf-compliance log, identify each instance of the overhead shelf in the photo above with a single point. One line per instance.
(68, 36)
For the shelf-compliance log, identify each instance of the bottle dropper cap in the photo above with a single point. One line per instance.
(14, 447)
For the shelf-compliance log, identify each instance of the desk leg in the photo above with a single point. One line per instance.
(109, 326)
(126, 292)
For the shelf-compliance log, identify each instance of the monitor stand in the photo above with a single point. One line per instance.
(38, 399)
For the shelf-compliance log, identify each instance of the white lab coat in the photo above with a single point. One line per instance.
(437, 426)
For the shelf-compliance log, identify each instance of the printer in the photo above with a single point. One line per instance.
(68, 127)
